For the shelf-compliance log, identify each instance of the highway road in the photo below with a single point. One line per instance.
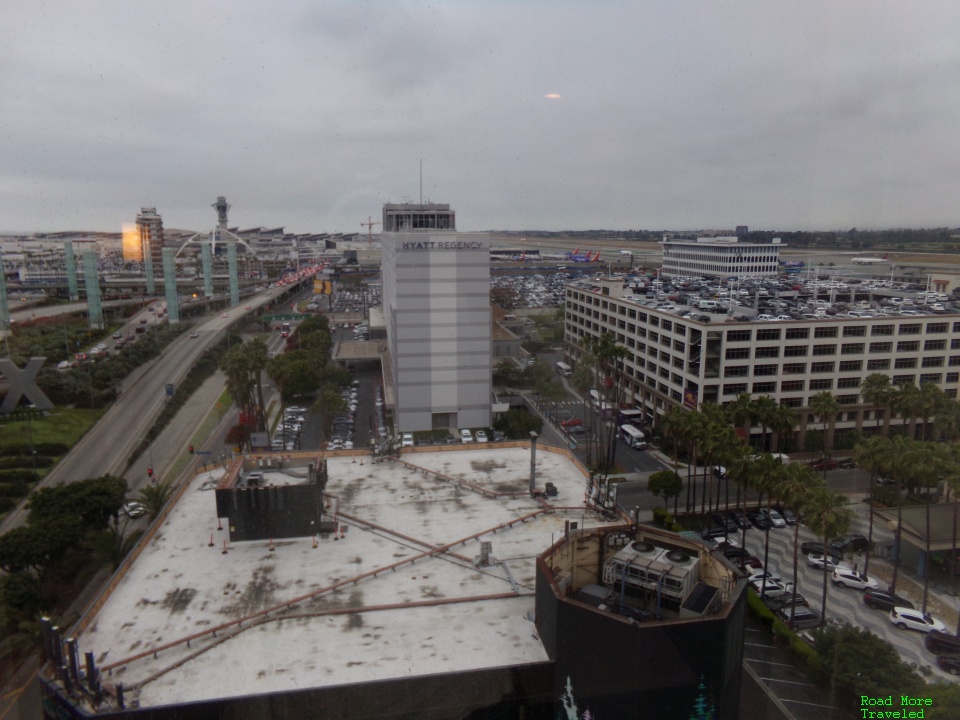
(108, 444)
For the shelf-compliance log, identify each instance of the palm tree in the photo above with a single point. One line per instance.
(929, 402)
(873, 455)
(826, 515)
(782, 420)
(766, 477)
(153, 497)
(797, 483)
(906, 402)
(765, 409)
(742, 413)
(825, 406)
(877, 391)
(948, 420)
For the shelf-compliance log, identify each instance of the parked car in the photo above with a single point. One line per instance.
(406, 440)
(910, 619)
(713, 531)
(852, 542)
(724, 521)
(823, 464)
(788, 515)
(817, 560)
(802, 617)
(571, 422)
(950, 663)
(758, 519)
(942, 643)
(842, 577)
(466, 436)
(739, 517)
(809, 548)
(785, 601)
(885, 600)
(481, 436)
(768, 588)
(776, 519)
(134, 509)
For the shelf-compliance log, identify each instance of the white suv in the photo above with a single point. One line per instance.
(406, 440)
(466, 436)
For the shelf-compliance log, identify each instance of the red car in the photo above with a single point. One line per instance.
(824, 464)
(572, 422)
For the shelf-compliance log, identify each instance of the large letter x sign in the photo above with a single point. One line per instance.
(21, 384)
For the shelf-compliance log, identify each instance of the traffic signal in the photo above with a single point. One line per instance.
(149, 472)
(190, 449)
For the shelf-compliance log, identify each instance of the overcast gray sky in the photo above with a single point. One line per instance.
(553, 115)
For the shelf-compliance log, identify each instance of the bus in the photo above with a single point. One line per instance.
(633, 437)
(564, 370)
(630, 417)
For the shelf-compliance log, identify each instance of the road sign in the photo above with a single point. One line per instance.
(203, 452)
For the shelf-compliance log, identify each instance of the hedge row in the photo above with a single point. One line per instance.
(25, 461)
(14, 489)
(663, 517)
(784, 635)
(9, 476)
(45, 448)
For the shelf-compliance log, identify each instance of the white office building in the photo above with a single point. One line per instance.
(720, 257)
(436, 305)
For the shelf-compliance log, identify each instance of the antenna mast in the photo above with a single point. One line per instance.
(421, 181)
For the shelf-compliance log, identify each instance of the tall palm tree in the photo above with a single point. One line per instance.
(797, 483)
(906, 403)
(765, 410)
(826, 515)
(766, 477)
(742, 413)
(873, 455)
(825, 406)
(690, 430)
(877, 391)
(931, 399)
(783, 420)
(947, 421)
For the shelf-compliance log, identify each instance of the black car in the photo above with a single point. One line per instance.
(758, 519)
(735, 553)
(941, 643)
(739, 517)
(884, 600)
(786, 600)
(853, 542)
(950, 663)
(713, 531)
(816, 548)
(725, 521)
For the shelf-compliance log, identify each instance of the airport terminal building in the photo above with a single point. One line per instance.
(436, 306)
(720, 257)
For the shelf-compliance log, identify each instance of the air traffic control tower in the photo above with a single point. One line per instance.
(436, 304)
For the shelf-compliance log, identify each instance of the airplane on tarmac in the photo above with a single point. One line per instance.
(869, 260)
(577, 256)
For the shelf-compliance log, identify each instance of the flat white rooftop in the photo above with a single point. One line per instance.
(433, 612)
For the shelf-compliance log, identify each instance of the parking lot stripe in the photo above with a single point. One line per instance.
(769, 662)
(789, 682)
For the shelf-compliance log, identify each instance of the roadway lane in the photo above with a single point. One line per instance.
(108, 444)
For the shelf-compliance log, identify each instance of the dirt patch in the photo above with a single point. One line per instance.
(258, 594)
(487, 466)
(354, 622)
(179, 600)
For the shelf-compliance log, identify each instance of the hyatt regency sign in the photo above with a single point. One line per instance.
(441, 245)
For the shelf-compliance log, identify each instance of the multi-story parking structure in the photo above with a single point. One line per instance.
(720, 257)
(685, 361)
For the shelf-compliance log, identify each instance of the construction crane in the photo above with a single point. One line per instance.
(369, 225)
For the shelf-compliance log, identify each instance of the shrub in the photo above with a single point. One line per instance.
(12, 476)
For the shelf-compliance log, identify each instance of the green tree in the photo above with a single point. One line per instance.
(518, 424)
(827, 516)
(825, 406)
(906, 402)
(795, 485)
(842, 650)
(94, 501)
(114, 543)
(328, 405)
(876, 390)
(666, 484)
(153, 497)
